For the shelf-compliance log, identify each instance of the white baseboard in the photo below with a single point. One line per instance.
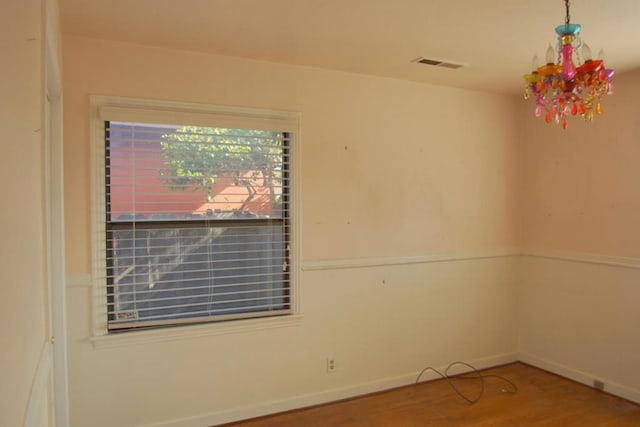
(302, 401)
(586, 378)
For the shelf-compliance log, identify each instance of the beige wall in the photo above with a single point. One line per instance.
(22, 327)
(579, 187)
(580, 320)
(391, 170)
(428, 168)
(580, 205)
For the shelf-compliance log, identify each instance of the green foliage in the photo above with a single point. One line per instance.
(196, 157)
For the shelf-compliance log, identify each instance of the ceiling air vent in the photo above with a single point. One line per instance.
(440, 63)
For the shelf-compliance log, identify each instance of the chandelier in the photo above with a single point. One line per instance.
(560, 88)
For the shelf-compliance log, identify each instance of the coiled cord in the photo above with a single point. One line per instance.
(513, 389)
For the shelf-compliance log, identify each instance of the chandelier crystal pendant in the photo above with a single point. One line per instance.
(560, 88)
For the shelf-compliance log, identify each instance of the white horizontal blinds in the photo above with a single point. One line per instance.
(178, 172)
(197, 223)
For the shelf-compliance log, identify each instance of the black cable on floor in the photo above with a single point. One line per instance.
(476, 376)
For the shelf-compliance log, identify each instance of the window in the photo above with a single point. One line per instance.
(196, 215)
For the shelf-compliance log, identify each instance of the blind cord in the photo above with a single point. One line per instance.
(512, 389)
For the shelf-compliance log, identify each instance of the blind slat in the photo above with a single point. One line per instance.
(217, 290)
(220, 280)
(267, 312)
(154, 304)
(210, 311)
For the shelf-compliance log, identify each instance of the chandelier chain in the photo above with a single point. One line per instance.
(567, 19)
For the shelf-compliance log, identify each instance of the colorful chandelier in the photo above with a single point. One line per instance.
(561, 88)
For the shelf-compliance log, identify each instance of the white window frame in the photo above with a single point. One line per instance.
(104, 108)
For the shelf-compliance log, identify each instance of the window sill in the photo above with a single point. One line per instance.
(126, 339)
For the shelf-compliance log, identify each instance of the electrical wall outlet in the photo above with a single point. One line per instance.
(598, 385)
(331, 364)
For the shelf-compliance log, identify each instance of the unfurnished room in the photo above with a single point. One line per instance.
(320, 213)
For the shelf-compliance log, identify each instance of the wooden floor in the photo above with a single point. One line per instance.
(542, 399)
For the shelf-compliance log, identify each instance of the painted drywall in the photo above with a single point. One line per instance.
(364, 141)
(579, 186)
(581, 200)
(580, 320)
(390, 170)
(381, 336)
(22, 329)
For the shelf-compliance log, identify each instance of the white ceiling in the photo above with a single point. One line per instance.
(497, 38)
